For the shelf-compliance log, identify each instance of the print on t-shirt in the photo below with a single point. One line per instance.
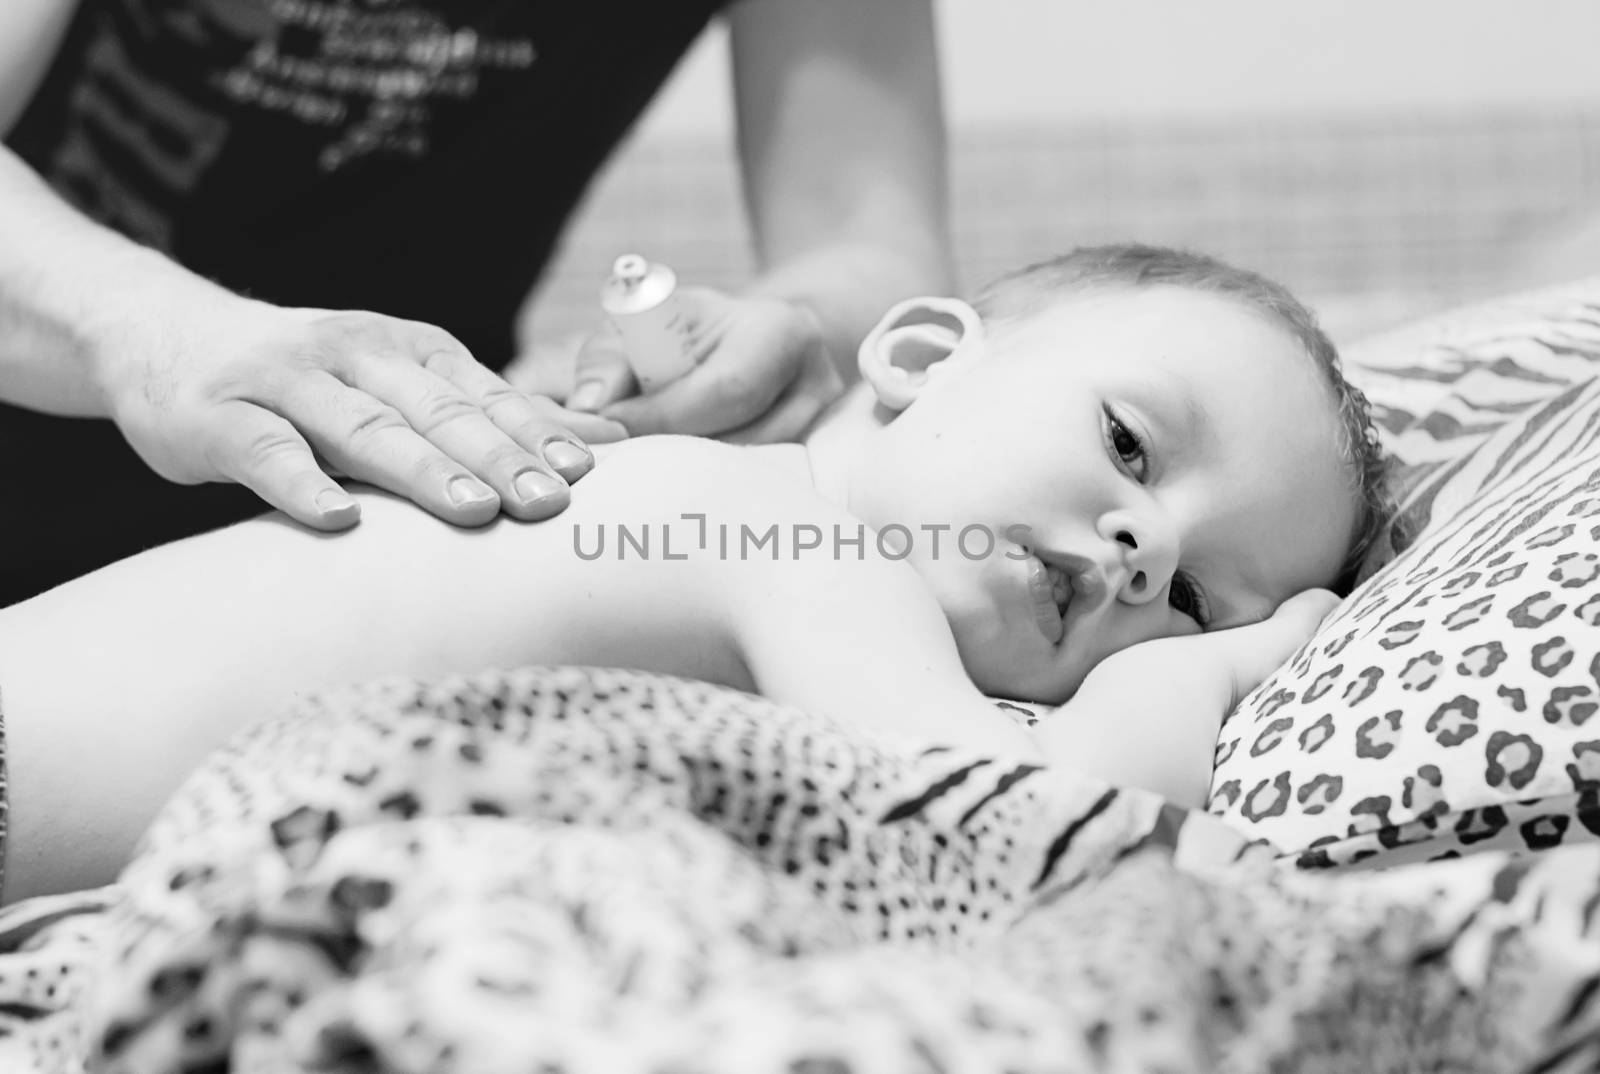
(164, 84)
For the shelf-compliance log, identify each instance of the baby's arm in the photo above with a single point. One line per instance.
(867, 644)
(1149, 715)
(858, 638)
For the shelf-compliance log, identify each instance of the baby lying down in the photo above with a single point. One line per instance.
(1121, 482)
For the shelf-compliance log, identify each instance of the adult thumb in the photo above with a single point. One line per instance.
(601, 374)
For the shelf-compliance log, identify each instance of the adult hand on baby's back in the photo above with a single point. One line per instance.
(764, 373)
(279, 399)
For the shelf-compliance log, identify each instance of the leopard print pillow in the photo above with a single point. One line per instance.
(1450, 704)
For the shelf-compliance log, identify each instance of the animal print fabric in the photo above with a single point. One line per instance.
(580, 870)
(1441, 387)
(1448, 706)
(49, 950)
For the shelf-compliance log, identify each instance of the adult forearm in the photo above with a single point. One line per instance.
(843, 151)
(71, 291)
(848, 284)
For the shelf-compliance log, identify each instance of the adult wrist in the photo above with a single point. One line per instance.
(818, 331)
(134, 312)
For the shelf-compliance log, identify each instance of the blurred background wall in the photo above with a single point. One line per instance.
(1384, 158)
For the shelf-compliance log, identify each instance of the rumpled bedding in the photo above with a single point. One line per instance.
(578, 870)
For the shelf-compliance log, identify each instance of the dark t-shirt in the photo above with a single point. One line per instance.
(414, 157)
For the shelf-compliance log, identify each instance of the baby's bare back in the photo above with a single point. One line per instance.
(121, 682)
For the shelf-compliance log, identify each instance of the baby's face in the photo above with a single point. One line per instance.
(1152, 462)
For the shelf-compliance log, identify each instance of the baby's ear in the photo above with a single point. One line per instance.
(906, 346)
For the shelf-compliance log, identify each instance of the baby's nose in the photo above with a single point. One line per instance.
(1148, 565)
(1138, 581)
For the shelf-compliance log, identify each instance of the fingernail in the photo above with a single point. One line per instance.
(334, 501)
(564, 454)
(533, 486)
(468, 492)
(586, 396)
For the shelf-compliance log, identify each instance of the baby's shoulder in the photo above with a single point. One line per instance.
(673, 449)
(696, 467)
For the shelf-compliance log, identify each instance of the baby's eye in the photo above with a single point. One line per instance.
(1127, 445)
(1187, 597)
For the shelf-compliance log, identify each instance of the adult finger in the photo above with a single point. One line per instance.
(265, 453)
(818, 385)
(601, 373)
(531, 421)
(786, 422)
(445, 417)
(373, 442)
(718, 395)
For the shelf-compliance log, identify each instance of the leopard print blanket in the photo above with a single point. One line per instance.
(577, 870)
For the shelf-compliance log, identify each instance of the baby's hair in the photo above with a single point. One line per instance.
(1030, 290)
